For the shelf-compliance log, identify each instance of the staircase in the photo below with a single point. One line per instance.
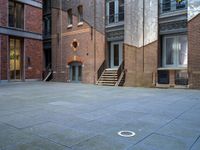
(112, 77)
(108, 77)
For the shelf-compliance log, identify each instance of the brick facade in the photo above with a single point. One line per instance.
(141, 65)
(31, 48)
(194, 52)
(91, 42)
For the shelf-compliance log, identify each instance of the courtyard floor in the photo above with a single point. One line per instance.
(61, 116)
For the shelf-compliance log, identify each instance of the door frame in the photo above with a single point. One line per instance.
(120, 43)
(77, 65)
(22, 74)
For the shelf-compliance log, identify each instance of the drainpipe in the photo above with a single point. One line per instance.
(61, 36)
(0, 58)
(143, 31)
(94, 41)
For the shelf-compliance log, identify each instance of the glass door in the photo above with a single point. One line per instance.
(116, 54)
(75, 72)
(15, 59)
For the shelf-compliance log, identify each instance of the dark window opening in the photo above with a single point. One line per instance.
(16, 14)
(163, 77)
(70, 17)
(80, 13)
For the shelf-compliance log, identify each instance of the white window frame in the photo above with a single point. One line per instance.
(176, 52)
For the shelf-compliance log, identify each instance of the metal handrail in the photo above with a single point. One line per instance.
(101, 69)
(120, 73)
(120, 70)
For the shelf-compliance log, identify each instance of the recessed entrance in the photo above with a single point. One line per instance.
(15, 59)
(116, 54)
(75, 72)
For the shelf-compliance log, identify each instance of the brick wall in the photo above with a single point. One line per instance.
(141, 72)
(4, 55)
(194, 52)
(33, 19)
(84, 35)
(33, 52)
(3, 12)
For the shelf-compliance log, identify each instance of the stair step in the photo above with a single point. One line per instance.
(106, 84)
(107, 81)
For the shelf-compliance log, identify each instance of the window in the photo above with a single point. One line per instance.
(47, 26)
(111, 12)
(175, 51)
(172, 5)
(115, 11)
(121, 10)
(80, 13)
(16, 15)
(70, 17)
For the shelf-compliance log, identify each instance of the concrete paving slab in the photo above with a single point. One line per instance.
(39, 115)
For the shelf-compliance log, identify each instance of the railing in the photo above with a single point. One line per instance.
(101, 69)
(120, 69)
(47, 73)
(120, 73)
(115, 18)
(172, 5)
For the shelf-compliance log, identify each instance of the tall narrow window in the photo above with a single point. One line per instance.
(70, 17)
(121, 10)
(166, 5)
(16, 14)
(112, 12)
(80, 13)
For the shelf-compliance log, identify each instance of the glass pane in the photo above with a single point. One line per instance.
(79, 73)
(170, 47)
(183, 50)
(80, 13)
(116, 55)
(18, 59)
(121, 10)
(19, 16)
(12, 59)
(111, 12)
(70, 19)
(11, 14)
(166, 5)
(180, 4)
(73, 73)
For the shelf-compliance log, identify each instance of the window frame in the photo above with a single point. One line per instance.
(80, 13)
(16, 15)
(176, 52)
(117, 14)
(69, 17)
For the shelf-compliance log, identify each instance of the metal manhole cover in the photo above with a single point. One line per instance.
(126, 133)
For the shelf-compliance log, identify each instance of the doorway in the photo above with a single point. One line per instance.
(116, 54)
(16, 56)
(75, 72)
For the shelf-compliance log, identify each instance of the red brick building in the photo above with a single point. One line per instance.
(144, 43)
(78, 41)
(21, 40)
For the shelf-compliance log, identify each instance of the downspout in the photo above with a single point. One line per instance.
(61, 36)
(143, 31)
(0, 58)
(94, 41)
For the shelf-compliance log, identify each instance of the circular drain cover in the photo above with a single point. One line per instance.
(126, 133)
